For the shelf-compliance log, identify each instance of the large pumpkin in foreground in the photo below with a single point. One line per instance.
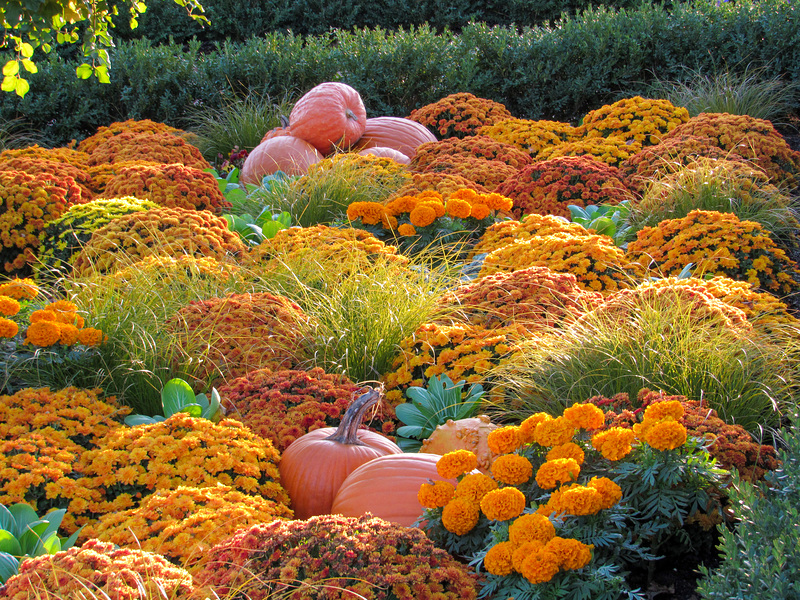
(329, 116)
(403, 135)
(387, 487)
(284, 153)
(314, 465)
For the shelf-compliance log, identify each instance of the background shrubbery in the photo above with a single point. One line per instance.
(558, 71)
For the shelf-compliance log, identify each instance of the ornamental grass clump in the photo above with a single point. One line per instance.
(100, 570)
(164, 148)
(756, 140)
(132, 462)
(565, 508)
(536, 298)
(637, 120)
(721, 185)
(184, 523)
(58, 169)
(168, 185)
(531, 136)
(64, 237)
(29, 203)
(367, 556)
(674, 341)
(731, 445)
(459, 115)
(596, 261)
(158, 231)
(550, 186)
(282, 405)
(228, 336)
(476, 146)
(716, 244)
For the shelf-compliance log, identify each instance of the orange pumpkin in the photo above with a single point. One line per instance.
(284, 153)
(315, 464)
(329, 116)
(380, 151)
(404, 135)
(387, 487)
(284, 129)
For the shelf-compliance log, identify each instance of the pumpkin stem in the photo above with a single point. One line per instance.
(347, 432)
(350, 114)
(284, 121)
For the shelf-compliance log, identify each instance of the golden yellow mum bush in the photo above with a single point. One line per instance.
(164, 148)
(612, 151)
(131, 126)
(642, 121)
(531, 136)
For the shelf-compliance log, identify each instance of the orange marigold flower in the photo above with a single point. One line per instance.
(554, 432)
(20, 289)
(503, 504)
(572, 554)
(658, 411)
(529, 528)
(456, 463)
(68, 334)
(576, 500)
(40, 315)
(8, 328)
(568, 450)
(527, 428)
(480, 211)
(8, 306)
(62, 306)
(503, 440)
(522, 552)
(498, 559)
(458, 209)
(585, 416)
(540, 567)
(666, 435)
(436, 494)
(560, 470)
(406, 229)
(512, 469)
(460, 516)
(614, 443)
(43, 333)
(91, 336)
(609, 491)
(422, 216)
(474, 486)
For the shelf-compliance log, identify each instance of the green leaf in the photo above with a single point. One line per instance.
(29, 65)
(102, 74)
(31, 540)
(213, 405)
(7, 520)
(22, 87)
(409, 445)
(176, 395)
(194, 410)
(84, 71)
(408, 414)
(11, 68)
(51, 544)
(24, 515)
(9, 544)
(9, 84)
(26, 50)
(411, 431)
(9, 566)
(69, 542)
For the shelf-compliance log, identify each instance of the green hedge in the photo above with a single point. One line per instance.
(558, 72)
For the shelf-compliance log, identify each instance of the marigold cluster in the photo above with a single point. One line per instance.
(661, 427)
(503, 504)
(459, 115)
(474, 486)
(436, 494)
(584, 416)
(58, 323)
(614, 443)
(456, 463)
(511, 469)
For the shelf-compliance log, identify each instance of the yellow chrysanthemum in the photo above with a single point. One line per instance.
(436, 494)
(8, 328)
(585, 416)
(422, 216)
(474, 486)
(572, 554)
(43, 333)
(614, 443)
(554, 432)
(666, 435)
(456, 463)
(503, 504)
(529, 528)
(568, 450)
(610, 492)
(554, 472)
(512, 469)
(527, 428)
(498, 559)
(460, 516)
(8, 306)
(503, 440)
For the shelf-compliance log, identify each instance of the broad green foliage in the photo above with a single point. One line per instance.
(31, 24)
(178, 396)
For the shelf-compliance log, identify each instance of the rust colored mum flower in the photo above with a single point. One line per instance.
(444, 184)
(584, 416)
(460, 516)
(529, 528)
(512, 469)
(554, 432)
(572, 554)
(503, 504)
(614, 443)
(568, 450)
(131, 126)
(456, 463)
(474, 146)
(557, 471)
(64, 155)
(459, 115)
(488, 173)
(474, 486)
(498, 559)
(55, 168)
(436, 494)
(550, 186)
(164, 148)
(503, 439)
